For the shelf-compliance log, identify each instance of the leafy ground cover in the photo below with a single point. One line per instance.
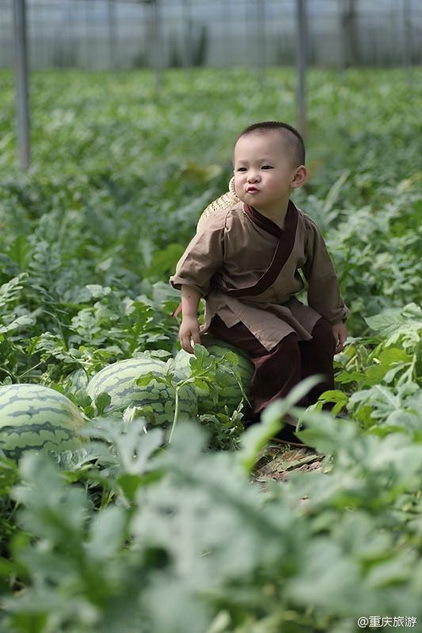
(100, 539)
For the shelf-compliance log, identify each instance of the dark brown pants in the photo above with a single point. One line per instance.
(289, 362)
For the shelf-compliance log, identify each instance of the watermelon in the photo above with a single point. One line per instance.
(230, 395)
(118, 380)
(39, 418)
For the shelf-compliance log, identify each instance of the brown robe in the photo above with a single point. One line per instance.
(250, 271)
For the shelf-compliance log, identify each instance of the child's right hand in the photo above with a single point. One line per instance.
(189, 333)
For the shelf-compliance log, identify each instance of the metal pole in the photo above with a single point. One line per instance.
(188, 33)
(112, 34)
(350, 33)
(158, 51)
(407, 34)
(260, 38)
(302, 61)
(89, 35)
(22, 90)
(343, 34)
(228, 41)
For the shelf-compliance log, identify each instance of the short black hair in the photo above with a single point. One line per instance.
(270, 126)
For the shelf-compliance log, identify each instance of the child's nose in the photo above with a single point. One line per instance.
(253, 176)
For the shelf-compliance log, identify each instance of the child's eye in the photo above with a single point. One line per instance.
(241, 169)
(266, 167)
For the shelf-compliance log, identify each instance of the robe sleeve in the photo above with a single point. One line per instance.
(323, 287)
(202, 258)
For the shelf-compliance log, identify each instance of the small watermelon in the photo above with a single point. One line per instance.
(230, 395)
(38, 418)
(118, 380)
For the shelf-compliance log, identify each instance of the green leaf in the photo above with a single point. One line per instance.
(392, 355)
(102, 402)
(16, 324)
(107, 533)
(255, 438)
(150, 377)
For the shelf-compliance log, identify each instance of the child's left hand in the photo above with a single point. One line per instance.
(340, 336)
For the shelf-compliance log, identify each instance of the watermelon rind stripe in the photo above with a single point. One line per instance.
(157, 398)
(39, 418)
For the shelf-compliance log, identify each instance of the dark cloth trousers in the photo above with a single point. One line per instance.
(277, 371)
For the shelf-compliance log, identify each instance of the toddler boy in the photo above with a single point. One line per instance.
(251, 260)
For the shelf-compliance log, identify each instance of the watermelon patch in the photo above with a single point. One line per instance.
(230, 394)
(34, 417)
(156, 399)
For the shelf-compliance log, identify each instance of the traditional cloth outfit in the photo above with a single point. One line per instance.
(249, 271)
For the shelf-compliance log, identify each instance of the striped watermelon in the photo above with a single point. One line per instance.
(39, 418)
(230, 394)
(158, 399)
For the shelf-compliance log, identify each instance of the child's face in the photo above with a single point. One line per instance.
(265, 172)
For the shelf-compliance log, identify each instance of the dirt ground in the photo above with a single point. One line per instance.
(278, 461)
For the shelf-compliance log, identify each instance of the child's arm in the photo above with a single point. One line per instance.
(189, 328)
(340, 336)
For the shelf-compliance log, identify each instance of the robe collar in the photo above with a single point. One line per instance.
(268, 225)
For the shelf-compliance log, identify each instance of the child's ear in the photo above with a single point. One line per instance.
(300, 176)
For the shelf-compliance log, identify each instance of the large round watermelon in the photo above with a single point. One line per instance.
(230, 392)
(118, 380)
(39, 418)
